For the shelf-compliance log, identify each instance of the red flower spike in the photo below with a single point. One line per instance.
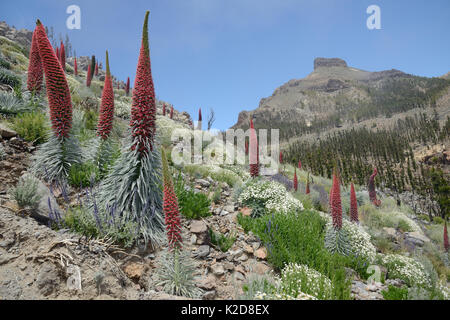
(127, 88)
(172, 216)
(164, 109)
(171, 113)
(299, 164)
(106, 115)
(200, 114)
(295, 180)
(446, 245)
(353, 205)
(35, 72)
(307, 191)
(371, 188)
(76, 67)
(336, 206)
(88, 76)
(58, 93)
(253, 146)
(62, 54)
(280, 157)
(143, 108)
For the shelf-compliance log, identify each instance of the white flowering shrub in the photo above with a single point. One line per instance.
(357, 239)
(299, 279)
(282, 296)
(122, 109)
(270, 194)
(407, 269)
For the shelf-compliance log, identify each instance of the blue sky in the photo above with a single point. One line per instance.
(228, 54)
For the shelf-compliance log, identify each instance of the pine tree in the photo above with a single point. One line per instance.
(35, 72)
(92, 69)
(96, 69)
(446, 244)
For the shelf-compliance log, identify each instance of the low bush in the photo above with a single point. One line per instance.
(26, 192)
(407, 269)
(299, 238)
(9, 78)
(83, 175)
(192, 205)
(394, 293)
(32, 126)
(220, 241)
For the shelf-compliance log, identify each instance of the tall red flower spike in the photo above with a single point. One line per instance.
(307, 191)
(254, 158)
(281, 157)
(295, 180)
(106, 114)
(75, 66)
(446, 245)
(143, 108)
(171, 113)
(336, 206)
(127, 88)
(371, 187)
(353, 205)
(164, 109)
(200, 114)
(96, 69)
(88, 76)
(299, 164)
(58, 92)
(172, 216)
(62, 54)
(35, 72)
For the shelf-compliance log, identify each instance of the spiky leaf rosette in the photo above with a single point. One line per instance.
(337, 240)
(102, 152)
(62, 54)
(446, 244)
(295, 180)
(336, 205)
(106, 115)
(143, 108)
(170, 207)
(253, 150)
(134, 187)
(171, 112)
(176, 274)
(371, 188)
(58, 92)
(88, 76)
(96, 69)
(75, 66)
(35, 72)
(127, 88)
(53, 159)
(353, 204)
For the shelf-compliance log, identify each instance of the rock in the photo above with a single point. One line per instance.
(202, 251)
(261, 268)
(209, 295)
(228, 265)
(238, 276)
(47, 279)
(207, 283)
(329, 62)
(234, 254)
(217, 269)
(261, 253)
(240, 269)
(248, 249)
(6, 132)
(390, 232)
(224, 213)
(255, 245)
(246, 211)
(6, 257)
(350, 273)
(204, 183)
(417, 235)
(229, 208)
(134, 271)
(193, 239)
(243, 258)
(198, 226)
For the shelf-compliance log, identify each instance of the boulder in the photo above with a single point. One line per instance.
(198, 226)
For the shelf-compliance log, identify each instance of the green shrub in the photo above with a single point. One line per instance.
(4, 63)
(9, 78)
(438, 220)
(221, 241)
(83, 175)
(26, 192)
(299, 238)
(32, 126)
(215, 196)
(192, 205)
(394, 293)
(259, 284)
(91, 118)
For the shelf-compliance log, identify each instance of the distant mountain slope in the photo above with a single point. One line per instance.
(336, 95)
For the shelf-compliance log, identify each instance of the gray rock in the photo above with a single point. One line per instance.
(48, 278)
(203, 182)
(6, 257)
(217, 269)
(198, 226)
(6, 132)
(202, 251)
(193, 239)
(229, 208)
